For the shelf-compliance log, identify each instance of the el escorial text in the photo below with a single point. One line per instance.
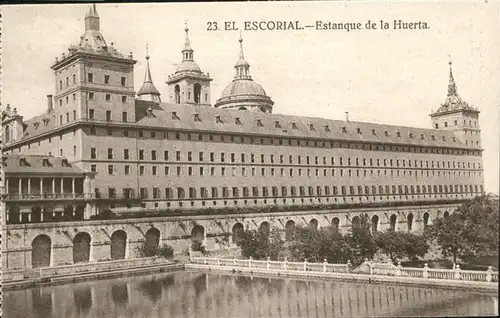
(319, 25)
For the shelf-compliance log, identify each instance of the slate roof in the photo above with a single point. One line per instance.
(221, 120)
(34, 164)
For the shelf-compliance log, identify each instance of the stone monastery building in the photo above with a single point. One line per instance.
(109, 148)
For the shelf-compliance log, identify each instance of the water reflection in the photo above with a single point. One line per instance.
(195, 294)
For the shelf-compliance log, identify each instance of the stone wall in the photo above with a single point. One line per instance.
(177, 231)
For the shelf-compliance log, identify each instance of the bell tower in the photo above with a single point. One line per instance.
(457, 116)
(189, 85)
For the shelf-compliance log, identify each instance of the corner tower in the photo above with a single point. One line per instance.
(457, 116)
(94, 81)
(243, 93)
(189, 85)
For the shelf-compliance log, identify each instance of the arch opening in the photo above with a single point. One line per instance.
(41, 248)
(238, 230)
(392, 224)
(118, 244)
(265, 228)
(409, 221)
(152, 241)
(197, 237)
(313, 224)
(375, 220)
(81, 248)
(335, 224)
(289, 230)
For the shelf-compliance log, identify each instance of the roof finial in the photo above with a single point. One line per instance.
(147, 77)
(187, 43)
(147, 51)
(242, 57)
(452, 88)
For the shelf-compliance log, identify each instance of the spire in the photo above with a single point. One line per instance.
(187, 52)
(242, 66)
(453, 101)
(92, 19)
(148, 90)
(452, 87)
(147, 76)
(242, 56)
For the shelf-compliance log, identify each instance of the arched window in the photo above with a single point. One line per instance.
(197, 93)
(177, 92)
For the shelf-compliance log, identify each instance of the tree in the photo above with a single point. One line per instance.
(398, 245)
(361, 241)
(472, 230)
(260, 245)
(317, 245)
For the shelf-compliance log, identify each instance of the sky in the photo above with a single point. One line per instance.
(389, 76)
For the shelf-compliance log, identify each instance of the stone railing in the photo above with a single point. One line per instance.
(385, 269)
(83, 268)
(276, 265)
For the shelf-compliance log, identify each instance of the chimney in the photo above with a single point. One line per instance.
(49, 104)
(347, 117)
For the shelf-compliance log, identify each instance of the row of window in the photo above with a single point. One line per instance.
(308, 160)
(184, 136)
(90, 79)
(236, 192)
(455, 122)
(235, 172)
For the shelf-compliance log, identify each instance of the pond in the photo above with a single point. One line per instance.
(199, 294)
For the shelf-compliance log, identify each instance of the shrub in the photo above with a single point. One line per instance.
(165, 251)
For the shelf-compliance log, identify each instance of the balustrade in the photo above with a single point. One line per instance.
(375, 268)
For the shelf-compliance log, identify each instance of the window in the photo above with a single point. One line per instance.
(127, 170)
(91, 114)
(124, 117)
(123, 81)
(153, 154)
(108, 115)
(93, 168)
(108, 97)
(110, 153)
(90, 77)
(110, 169)
(92, 153)
(154, 170)
(74, 79)
(141, 170)
(178, 155)
(106, 79)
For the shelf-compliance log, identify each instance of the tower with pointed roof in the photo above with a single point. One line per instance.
(148, 90)
(458, 116)
(94, 81)
(189, 85)
(243, 93)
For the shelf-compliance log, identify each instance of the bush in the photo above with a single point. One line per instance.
(165, 251)
(147, 249)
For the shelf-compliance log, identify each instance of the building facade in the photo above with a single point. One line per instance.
(146, 156)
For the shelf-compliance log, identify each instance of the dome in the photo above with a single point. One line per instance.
(188, 66)
(243, 87)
